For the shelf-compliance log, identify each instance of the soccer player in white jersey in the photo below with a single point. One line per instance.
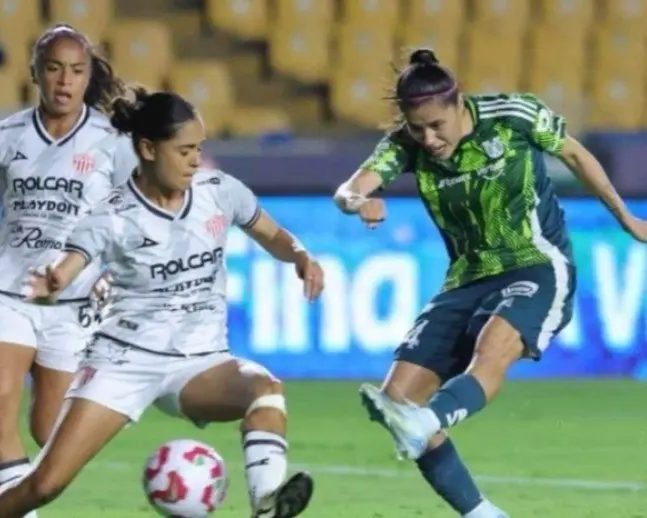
(56, 160)
(164, 340)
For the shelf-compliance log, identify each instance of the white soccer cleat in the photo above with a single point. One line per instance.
(289, 500)
(410, 427)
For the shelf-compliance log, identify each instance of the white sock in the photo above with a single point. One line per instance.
(266, 463)
(11, 473)
(486, 509)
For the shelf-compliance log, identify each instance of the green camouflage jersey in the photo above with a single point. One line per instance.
(492, 200)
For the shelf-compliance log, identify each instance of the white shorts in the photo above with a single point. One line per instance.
(59, 333)
(129, 380)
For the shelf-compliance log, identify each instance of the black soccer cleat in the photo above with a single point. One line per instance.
(289, 500)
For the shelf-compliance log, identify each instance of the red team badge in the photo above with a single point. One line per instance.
(216, 225)
(83, 163)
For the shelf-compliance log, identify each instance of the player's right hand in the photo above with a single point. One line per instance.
(42, 284)
(372, 212)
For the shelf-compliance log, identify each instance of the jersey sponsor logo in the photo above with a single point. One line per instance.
(492, 171)
(520, 289)
(60, 207)
(191, 307)
(18, 156)
(127, 324)
(47, 183)
(83, 163)
(186, 264)
(489, 172)
(494, 148)
(32, 238)
(204, 284)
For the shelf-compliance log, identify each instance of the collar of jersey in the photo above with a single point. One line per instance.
(158, 211)
(42, 132)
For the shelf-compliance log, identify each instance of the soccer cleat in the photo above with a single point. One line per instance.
(410, 428)
(289, 500)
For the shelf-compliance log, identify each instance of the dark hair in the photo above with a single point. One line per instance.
(154, 117)
(424, 79)
(104, 85)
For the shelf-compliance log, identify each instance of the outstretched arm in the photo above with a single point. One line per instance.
(285, 247)
(591, 173)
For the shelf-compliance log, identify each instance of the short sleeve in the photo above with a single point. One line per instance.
(545, 129)
(245, 205)
(124, 160)
(390, 158)
(92, 235)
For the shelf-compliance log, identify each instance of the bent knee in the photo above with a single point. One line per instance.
(267, 410)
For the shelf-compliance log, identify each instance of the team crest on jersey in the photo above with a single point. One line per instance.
(216, 225)
(83, 163)
(494, 148)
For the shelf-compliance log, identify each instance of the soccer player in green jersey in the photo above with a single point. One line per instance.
(478, 163)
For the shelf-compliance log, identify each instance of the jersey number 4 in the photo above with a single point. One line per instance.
(412, 339)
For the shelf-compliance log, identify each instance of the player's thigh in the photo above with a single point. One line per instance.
(49, 387)
(436, 347)
(63, 336)
(536, 301)
(119, 378)
(62, 339)
(17, 352)
(216, 388)
(83, 428)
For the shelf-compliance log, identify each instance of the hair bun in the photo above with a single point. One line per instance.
(423, 57)
(125, 110)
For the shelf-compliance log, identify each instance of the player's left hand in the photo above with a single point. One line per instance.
(312, 275)
(636, 227)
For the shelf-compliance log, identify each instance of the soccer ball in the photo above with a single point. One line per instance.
(185, 479)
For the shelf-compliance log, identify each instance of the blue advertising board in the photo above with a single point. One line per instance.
(378, 280)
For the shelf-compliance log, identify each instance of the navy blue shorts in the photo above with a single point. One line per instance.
(537, 301)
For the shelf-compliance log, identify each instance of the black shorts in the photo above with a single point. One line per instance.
(537, 301)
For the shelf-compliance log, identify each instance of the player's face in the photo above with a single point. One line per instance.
(437, 126)
(63, 77)
(178, 159)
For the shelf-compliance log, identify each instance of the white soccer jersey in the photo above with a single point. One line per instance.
(48, 185)
(169, 276)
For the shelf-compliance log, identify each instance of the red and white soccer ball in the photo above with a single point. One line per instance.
(185, 479)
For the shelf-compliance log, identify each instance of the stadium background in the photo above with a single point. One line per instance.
(291, 93)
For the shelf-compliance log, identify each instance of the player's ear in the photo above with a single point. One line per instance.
(147, 150)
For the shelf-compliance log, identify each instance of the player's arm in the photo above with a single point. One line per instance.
(276, 240)
(547, 131)
(46, 284)
(386, 163)
(90, 239)
(591, 173)
(353, 193)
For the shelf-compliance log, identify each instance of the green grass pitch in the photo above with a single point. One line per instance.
(571, 449)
